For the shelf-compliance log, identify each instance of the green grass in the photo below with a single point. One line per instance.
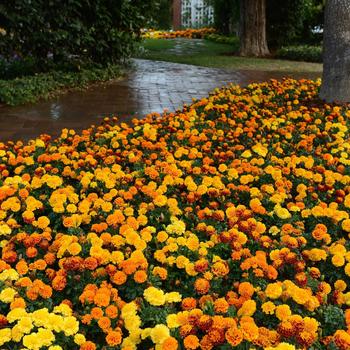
(217, 55)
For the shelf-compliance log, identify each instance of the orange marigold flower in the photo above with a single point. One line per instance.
(161, 272)
(114, 338)
(18, 303)
(104, 323)
(59, 283)
(96, 313)
(49, 258)
(102, 297)
(111, 311)
(86, 319)
(246, 289)
(221, 306)
(40, 264)
(202, 286)
(89, 345)
(191, 342)
(90, 263)
(170, 344)
(188, 303)
(31, 252)
(22, 267)
(220, 269)
(234, 336)
(45, 292)
(119, 278)
(140, 276)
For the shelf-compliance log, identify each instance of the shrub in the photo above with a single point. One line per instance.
(98, 31)
(223, 39)
(301, 53)
(29, 89)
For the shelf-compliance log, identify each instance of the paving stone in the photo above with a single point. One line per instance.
(151, 87)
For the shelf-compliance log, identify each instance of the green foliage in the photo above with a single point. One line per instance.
(333, 319)
(226, 15)
(32, 88)
(291, 21)
(224, 39)
(163, 18)
(102, 31)
(304, 53)
(17, 68)
(288, 21)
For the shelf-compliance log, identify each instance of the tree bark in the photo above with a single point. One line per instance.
(336, 52)
(253, 28)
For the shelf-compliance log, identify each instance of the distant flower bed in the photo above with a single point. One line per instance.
(224, 225)
(186, 33)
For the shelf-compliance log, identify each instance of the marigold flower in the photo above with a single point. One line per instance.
(191, 342)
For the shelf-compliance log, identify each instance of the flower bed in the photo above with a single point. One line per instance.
(186, 33)
(221, 226)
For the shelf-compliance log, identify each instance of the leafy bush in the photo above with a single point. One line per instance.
(301, 53)
(16, 67)
(32, 88)
(98, 31)
(291, 21)
(223, 39)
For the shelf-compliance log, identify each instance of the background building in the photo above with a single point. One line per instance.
(192, 14)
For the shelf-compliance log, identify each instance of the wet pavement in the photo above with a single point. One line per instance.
(151, 87)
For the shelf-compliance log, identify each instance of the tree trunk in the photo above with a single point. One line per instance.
(176, 9)
(253, 28)
(336, 52)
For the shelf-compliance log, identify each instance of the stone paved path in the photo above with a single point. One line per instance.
(152, 87)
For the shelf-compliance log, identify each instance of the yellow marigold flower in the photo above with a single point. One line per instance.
(347, 269)
(338, 260)
(45, 337)
(268, 307)
(340, 285)
(43, 222)
(246, 154)
(16, 314)
(172, 321)
(316, 254)
(79, 339)
(159, 333)
(273, 290)
(281, 346)
(282, 213)
(5, 230)
(5, 335)
(283, 312)
(63, 309)
(74, 248)
(160, 201)
(248, 308)
(7, 295)
(260, 149)
(346, 225)
(173, 297)
(154, 296)
(40, 317)
(25, 324)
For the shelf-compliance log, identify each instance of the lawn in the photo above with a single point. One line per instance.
(224, 225)
(211, 54)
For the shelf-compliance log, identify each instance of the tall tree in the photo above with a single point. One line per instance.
(336, 52)
(253, 28)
